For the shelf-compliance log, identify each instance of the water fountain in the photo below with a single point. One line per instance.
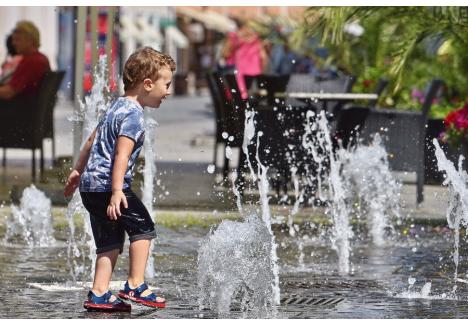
(369, 181)
(457, 210)
(149, 173)
(76, 266)
(237, 262)
(323, 171)
(31, 222)
(91, 110)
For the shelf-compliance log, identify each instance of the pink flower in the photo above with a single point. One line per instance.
(416, 93)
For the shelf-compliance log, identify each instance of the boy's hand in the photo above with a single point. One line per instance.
(113, 210)
(72, 183)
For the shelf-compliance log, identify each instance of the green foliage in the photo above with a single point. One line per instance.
(408, 45)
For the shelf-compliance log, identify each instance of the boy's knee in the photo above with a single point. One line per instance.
(145, 236)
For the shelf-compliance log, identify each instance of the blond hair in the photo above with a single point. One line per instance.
(145, 62)
(29, 29)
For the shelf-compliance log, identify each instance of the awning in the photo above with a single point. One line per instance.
(211, 19)
(176, 36)
(138, 27)
(148, 31)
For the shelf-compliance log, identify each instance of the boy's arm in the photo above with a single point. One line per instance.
(74, 177)
(123, 150)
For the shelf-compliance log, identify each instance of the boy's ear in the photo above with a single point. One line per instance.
(147, 84)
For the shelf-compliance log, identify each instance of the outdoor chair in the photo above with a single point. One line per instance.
(217, 103)
(350, 119)
(270, 83)
(230, 117)
(404, 134)
(30, 120)
(307, 83)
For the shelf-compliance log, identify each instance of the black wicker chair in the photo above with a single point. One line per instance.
(404, 134)
(350, 119)
(25, 122)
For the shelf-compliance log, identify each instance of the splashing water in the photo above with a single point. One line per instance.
(32, 220)
(91, 110)
(457, 210)
(97, 102)
(338, 209)
(368, 178)
(149, 174)
(234, 268)
(343, 176)
(237, 262)
(76, 258)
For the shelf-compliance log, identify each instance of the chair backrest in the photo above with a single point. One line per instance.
(232, 109)
(382, 83)
(217, 100)
(274, 84)
(430, 94)
(404, 131)
(47, 98)
(307, 83)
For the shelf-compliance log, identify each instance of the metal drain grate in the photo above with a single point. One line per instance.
(310, 301)
(332, 285)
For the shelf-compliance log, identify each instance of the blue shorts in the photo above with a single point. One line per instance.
(110, 234)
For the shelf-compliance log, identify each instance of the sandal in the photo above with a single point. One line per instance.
(102, 303)
(135, 296)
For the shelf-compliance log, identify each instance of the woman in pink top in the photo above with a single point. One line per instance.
(245, 51)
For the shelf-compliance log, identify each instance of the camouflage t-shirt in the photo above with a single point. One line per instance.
(123, 118)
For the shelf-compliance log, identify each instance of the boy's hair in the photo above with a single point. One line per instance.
(145, 63)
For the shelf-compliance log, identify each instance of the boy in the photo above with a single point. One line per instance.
(104, 172)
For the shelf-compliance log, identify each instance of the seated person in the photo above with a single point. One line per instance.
(27, 76)
(11, 61)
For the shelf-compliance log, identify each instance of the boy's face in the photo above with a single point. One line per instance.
(159, 89)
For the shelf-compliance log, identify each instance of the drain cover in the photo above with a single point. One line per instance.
(358, 284)
(311, 301)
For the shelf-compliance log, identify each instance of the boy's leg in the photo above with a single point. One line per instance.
(105, 263)
(139, 251)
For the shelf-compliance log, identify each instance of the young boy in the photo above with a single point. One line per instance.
(104, 172)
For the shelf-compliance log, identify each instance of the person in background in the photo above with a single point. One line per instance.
(12, 61)
(244, 49)
(27, 76)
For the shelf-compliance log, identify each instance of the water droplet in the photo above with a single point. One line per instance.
(228, 152)
(211, 168)
(225, 135)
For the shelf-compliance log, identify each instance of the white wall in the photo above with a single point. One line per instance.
(46, 20)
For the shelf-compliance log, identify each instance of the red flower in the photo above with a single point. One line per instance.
(367, 83)
(450, 118)
(456, 126)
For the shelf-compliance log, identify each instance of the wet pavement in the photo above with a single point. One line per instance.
(310, 284)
